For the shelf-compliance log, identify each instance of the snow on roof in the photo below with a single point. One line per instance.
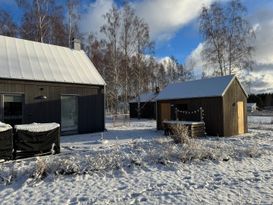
(146, 97)
(37, 127)
(29, 60)
(211, 87)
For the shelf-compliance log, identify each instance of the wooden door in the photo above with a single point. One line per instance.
(241, 120)
(165, 111)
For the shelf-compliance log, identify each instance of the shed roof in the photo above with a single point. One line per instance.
(211, 87)
(146, 97)
(29, 60)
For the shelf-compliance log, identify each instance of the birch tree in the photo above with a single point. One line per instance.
(43, 21)
(228, 37)
(127, 44)
(73, 20)
(111, 32)
(143, 45)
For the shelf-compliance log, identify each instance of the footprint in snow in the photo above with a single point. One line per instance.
(122, 187)
(134, 195)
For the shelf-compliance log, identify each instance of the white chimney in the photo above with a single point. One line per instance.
(77, 44)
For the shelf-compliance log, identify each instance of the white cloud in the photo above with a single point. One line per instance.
(92, 19)
(194, 61)
(264, 36)
(165, 17)
(262, 74)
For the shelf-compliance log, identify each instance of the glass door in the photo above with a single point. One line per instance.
(69, 110)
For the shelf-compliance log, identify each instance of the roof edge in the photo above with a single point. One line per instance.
(56, 82)
(234, 78)
(215, 96)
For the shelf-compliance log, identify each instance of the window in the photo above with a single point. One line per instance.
(13, 109)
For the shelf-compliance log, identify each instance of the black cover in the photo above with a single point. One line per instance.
(6, 144)
(29, 144)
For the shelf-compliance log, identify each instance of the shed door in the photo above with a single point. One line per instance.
(165, 111)
(241, 120)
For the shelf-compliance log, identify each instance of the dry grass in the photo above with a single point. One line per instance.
(136, 154)
(40, 172)
(180, 134)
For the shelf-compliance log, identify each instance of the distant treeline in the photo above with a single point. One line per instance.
(262, 100)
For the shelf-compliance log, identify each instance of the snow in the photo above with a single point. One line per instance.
(4, 127)
(211, 87)
(37, 127)
(260, 119)
(139, 165)
(184, 122)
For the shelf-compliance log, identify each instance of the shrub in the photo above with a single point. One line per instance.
(40, 171)
(180, 134)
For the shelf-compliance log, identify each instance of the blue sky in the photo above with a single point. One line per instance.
(180, 45)
(174, 29)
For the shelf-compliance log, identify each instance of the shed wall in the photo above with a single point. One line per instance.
(233, 95)
(213, 112)
(90, 99)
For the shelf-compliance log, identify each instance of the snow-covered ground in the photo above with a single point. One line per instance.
(138, 165)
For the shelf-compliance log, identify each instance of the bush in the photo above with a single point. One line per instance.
(180, 134)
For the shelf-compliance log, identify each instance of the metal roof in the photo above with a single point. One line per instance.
(210, 87)
(29, 60)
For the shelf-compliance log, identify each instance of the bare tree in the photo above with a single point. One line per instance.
(73, 20)
(228, 37)
(42, 21)
(240, 36)
(161, 77)
(127, 44)
(7, 25)
(143, 45)
(111, 32)
(212, 27)
(57, 31)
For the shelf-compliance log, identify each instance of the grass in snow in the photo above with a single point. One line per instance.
(137, 154)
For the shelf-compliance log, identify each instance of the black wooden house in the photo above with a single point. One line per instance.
(47, 83)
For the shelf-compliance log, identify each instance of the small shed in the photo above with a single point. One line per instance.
(47, 83)
(147, 106)
(223, 100)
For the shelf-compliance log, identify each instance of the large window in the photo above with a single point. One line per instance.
(13, 109)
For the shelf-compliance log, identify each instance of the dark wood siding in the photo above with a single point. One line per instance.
(233, 95)
(91, 101)
(213, 112)
(91, 115)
